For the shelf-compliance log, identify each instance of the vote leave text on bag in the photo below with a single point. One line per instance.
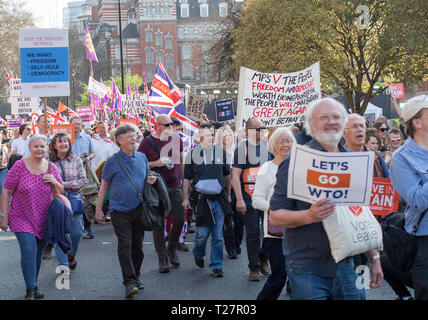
(342, 177)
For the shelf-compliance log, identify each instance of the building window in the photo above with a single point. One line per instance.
(159, 56)
(184, 10)
(159, 40)
(149, 76)
(180, 33)
(149, 11)
(204, 10)
(149, 57)
(168, 43)
(187, 70)
(149, 37)
(169, 64)
(187, 54)
(223, 9)
(167, 11)
(158, 11)
(118, 53)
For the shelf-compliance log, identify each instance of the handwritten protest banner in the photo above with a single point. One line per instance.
(194, 106)
(68, 129)
(123, 121)
(134, 103)
(397, 90)
(384, 198)
(278, 99)
(85, 113)
(97, 88)
(342, 177)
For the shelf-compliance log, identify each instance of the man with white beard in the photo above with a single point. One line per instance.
(311, 269)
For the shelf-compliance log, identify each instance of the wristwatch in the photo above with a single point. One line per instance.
(376, 256)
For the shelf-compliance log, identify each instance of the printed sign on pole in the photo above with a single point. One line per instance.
(343, 177)
(20, 104)
(14, 123)
(44, 62)
(68, 129)
(85, 113)
(384, 197)
(224, 110)
(278, 99)
(134, 103)
(123, 121)
(397, 90)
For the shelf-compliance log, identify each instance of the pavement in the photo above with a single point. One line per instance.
(98, 275)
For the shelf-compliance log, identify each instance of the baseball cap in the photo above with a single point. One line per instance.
(413, 106)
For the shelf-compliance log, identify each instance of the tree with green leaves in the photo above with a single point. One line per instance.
(358, 43)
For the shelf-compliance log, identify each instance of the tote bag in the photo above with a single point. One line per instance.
(351, 231)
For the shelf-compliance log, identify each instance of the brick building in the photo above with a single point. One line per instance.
(178, 32)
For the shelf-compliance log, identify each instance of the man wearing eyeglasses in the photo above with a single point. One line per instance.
(311, 269)
(164, 151)
(249, 156)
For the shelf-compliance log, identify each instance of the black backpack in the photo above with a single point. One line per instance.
(399, 245)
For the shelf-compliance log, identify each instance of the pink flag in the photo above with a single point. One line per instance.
(90, 50)
(128, 89)
(135, 87)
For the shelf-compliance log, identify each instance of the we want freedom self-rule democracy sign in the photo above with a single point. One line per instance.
(44, 62)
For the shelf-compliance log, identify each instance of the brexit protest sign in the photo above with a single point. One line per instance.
(14, 123)
(278, 99)
(224, 110)
(68, 129)
(20, 104)
(384, 198)
(44, 62)
(85, 113)
(343, 177)
(97, 88)
(132, 121)
(134, 103)
(397, 90)
(194, 106)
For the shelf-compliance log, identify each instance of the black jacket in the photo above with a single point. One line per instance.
(156, 196)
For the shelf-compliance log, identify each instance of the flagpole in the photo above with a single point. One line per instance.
(121, 47)
(45, 102)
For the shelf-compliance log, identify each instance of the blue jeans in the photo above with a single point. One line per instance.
(306, 285)
(31, 257)
(3, 174)
(216, 231)
(75, 235)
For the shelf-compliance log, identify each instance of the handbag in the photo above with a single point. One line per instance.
(351, 231)
(75, 198)
(147, 219)
(399, 245)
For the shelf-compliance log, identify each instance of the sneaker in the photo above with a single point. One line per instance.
(254, 276)
(182, 247)
(199, 262)
(139, 285)
(264, 267)
(218, 273)
(88, 234)
(107, 218)
(130, 290)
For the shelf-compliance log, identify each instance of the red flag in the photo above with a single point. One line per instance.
(61, 107)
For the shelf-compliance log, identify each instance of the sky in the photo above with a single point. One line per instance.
(48, 13)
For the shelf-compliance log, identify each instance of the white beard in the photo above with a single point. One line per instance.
(329, 139)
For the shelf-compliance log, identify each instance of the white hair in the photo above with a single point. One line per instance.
(38, 137)
(312, 106)
(275, 137)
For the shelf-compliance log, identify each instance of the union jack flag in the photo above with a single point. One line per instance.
(164, 94)
(55, 116)
(3, 122)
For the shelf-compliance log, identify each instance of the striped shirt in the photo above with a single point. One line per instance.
(74, 172)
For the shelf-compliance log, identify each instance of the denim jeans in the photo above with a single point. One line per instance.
(75, 235)
(306, 285)
(216, 231)
(276, 281)
(31, 257)
(3, 174)
(130, 236)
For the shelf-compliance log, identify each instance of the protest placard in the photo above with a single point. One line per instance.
(68, 129)
(14, 123)
(278, 99)
(194, 106)
(86, 113)
(384, 198)
(224, 110)
(97, 88)
(20, 104)
(343, 177)
(123, 121)
(397, 90)
(134, 103)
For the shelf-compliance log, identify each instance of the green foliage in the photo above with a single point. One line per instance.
(286, 36)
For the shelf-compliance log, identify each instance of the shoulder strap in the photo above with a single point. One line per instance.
(62, 170)
(50, 184)
(149, 138)
(416, 227)
(128, 175)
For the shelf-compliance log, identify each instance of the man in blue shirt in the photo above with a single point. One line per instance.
(83, 144)
(409, 175)
(311, 269)
(124, 205)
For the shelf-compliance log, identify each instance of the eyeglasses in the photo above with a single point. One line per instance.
(130, 136)
(327, 118)
(166, 125)
(29, 129)
(357, 126)
(383, 129)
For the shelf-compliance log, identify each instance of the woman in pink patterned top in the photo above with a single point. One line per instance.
(24, 203)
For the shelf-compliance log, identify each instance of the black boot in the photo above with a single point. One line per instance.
(31, 294)
(72, 263)
(163, 264)
(38, 294)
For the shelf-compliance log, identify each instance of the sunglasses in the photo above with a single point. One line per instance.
(166, 125)
(383, 129)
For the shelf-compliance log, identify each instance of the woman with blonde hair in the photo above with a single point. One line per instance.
(279, 144)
